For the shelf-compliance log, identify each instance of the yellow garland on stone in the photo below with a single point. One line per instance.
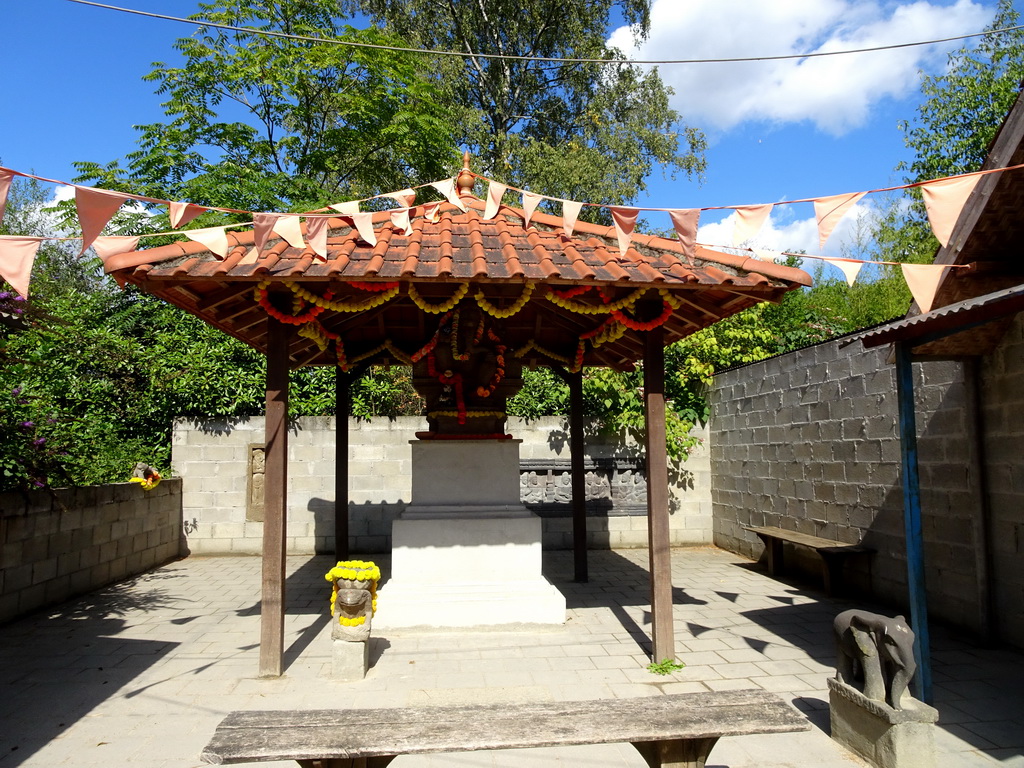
(342, 306)
(508, 311)
(469, 414)
(437, 309)
(354, 570)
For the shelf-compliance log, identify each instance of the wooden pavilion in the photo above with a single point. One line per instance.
(548, 297)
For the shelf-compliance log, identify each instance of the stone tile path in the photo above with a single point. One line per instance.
(140, 673)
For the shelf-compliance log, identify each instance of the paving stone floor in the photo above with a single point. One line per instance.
(140, 673)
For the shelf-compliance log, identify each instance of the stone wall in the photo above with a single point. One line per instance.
(220, 463)
(809, 441)
(73, 540)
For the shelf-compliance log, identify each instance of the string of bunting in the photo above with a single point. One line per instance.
(944, 199)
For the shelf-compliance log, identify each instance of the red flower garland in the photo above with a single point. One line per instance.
(499, 374)
(637, 325)
(364, 286)
(264, 301)
(572, 293)
(455, 379)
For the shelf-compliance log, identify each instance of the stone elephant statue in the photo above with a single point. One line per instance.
(875, 654)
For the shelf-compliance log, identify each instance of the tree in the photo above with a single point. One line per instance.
(578, 131)
(263, 123)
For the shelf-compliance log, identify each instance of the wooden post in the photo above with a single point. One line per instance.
(276, 501)
(662, 634)
(579, 478)
(912, 523)
(342, 406)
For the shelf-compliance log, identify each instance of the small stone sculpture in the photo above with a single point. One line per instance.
(875, 655)
(353, 603)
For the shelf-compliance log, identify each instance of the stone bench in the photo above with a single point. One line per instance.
(672, 730)
(833, 554)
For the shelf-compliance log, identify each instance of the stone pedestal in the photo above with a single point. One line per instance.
(466, 552)
(885, 737)
(349, 659)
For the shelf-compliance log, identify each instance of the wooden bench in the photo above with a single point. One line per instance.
(833, 554)
(673, 730)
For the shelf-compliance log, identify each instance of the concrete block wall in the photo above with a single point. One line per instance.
(61, 544)
(809, 442)
(211, 457)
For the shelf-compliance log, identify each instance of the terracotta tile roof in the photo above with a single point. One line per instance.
(497, 255)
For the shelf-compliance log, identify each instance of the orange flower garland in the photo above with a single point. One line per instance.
(447, 377)
(499, 373)
(263, 299)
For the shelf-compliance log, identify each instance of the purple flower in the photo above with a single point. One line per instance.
(16, 391)
(39, 441)
(19, 298)
(38, 483)
(27, 424)
(4, 295)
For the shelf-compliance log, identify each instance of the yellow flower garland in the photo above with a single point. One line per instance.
(343, 306)
(595, 309)
(354, 570)
(669, 299)
(437, 309)
(508, 311)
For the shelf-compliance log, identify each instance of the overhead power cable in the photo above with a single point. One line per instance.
(542, 59)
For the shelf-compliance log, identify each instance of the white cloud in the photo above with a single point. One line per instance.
(836, 93)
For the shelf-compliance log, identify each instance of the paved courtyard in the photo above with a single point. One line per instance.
(140, 673)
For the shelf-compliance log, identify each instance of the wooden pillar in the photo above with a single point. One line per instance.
(579, 477)
(276, 501)
(662, 634)
(342, 406)
(912, 523)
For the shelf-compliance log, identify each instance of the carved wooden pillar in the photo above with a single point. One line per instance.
(275, 501)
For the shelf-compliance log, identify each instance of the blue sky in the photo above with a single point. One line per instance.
(777, 130)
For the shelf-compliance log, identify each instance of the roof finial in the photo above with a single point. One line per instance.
(465, 181)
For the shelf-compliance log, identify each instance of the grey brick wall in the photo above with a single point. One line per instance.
(56, 546)
(211, 458)
(809, 442)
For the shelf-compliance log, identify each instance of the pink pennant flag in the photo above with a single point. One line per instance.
(923, 281)
(6, 177)
(625, 222)
(17, 255)
(530, 203)
(214, 238)
(316, 234)
(944, 200)
(347, 209)
(95, 209)
(404, 197)
(182, 213)
(364, 226)
(570, 213)
(263, 226)
(106, 247)
(830, 210)
(400, 221)
(290, 229)
(447, 188)
(685, 221)
(495, 191)
(749, 220)
(849, 268)
(432, 212)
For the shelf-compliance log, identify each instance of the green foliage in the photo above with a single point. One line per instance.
(579, 131)
(665, 667)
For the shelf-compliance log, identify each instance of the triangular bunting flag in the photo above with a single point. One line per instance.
(6, 177)
(447, 188)
(316, 234)
(944, 200)
(749, 220)
(404, 197)
(432, 212)
(685, 221)
(263, 227)
(364, 226)
(830, 210)
(923, 281)
(106, 247)
(766, 254)
(495, 192)
(95, 208)
(530, 203)
(17, 255)
(348, 209)
(849, 268)
(214, 238)
(625, 222)
(570, 213)
(182, 213)
(400, 221)
(290, 229)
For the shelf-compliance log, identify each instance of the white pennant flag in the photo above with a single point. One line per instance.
(406, 198)
(348, 209)
(447, 188)
(625, 221)
(944, 200)
(364, 226)
(6, 177)
(749, 220)
(95, 208)
(830, 210)
(570, 213)
(214, 238)
(106, 247)
(923, 281)
(495, 192)
(290, 229)
(849, 268)
(685, 222)
(400, 221)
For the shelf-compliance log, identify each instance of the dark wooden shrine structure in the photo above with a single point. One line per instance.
(548, 295)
